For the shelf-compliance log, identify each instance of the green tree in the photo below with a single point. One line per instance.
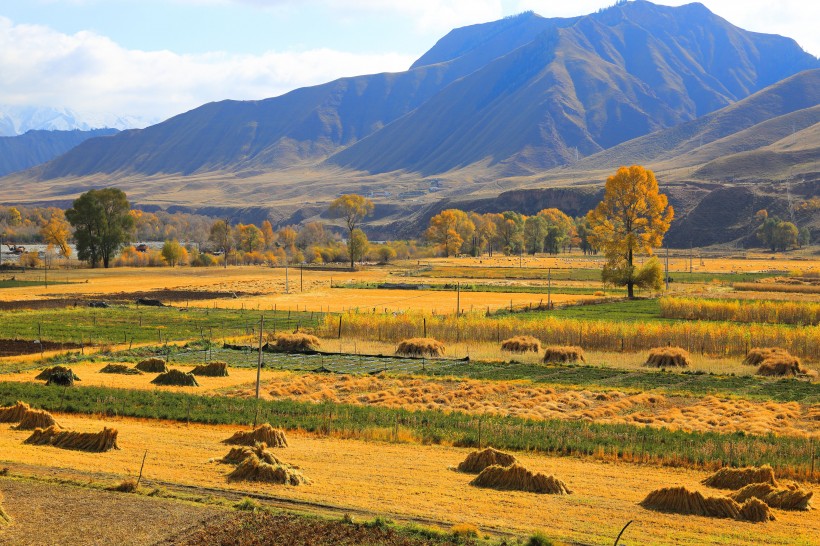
(352, 209)
(102, 224)
(535, 232)
(173, 252)
(632, 218)
(777, 234)
(220, 235)
(358, 245)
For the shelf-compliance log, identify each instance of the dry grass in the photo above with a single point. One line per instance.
(736, 478)
(263, 434)
(296, 343)
(152, 365)
(668, 357)
(120, 369)
(565, 354)
(175, 378)
(128, 485)
(479, 460)
(680, 500)
(353, 473)
(518, 478)
(97, 442)
(34, 419)
(521, 344)
(420, 346)
(211, 369)
(254, 469)
(776, 287)
(13, 414)
(790, 497)
(5, 519)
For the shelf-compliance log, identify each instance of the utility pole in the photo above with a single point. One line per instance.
(549, 287)
(667, 268)
(227, 242)
(301, 285)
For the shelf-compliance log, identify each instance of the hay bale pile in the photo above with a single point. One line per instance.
(296, 343)
(238, 454)
(152, 365)
(121, 369)
(420, 346)
(774, 362)
(479, 460)
(562, 355)
(254, 469)
(211, 369)
(13, 414)
(263, 434)
(680, 500)
(521, 344)
(757, 355)
(58, 375)
(736, 478)
(175, 378)
(33, 419)
(790, 497)
(97, 442)
(668, 357)
(518, 478)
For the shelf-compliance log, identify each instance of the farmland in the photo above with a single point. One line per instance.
(358, 417)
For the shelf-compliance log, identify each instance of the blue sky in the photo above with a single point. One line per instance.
(156, 58)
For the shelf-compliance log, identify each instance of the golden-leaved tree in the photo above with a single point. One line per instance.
(352, 209)
(450, 229)
(631, 219)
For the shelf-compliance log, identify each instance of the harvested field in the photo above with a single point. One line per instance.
(668, 357)
(124, 369)
(790, 497)
(296, 343)
(97, 442)
(263, 434)
(13, 414)
(152, 365)
(254, 469)
(521, 344)
(420, 346)
(736, 478)
(479, 460)
(33, 419)
(532, 401)
(563, 354)
(175, 378)
(518, 478)
(421, 485)
(211, 369)
(680, 500)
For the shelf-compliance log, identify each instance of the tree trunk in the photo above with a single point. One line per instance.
(630, 284)
(630, 292)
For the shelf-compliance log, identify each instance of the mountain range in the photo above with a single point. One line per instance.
(22, 152)
(518, 104)
(18, 120)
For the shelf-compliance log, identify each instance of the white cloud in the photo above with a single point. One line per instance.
(89, 72)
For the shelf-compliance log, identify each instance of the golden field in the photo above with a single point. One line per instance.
(351, 473)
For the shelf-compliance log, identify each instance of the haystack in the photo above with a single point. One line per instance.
(34, 419)
(238, 454)
(97, 442)
(420, 346)
(211, 369)
(668, 357)
(120, 368)
(255, 469)
(790, 497)
(736, 478)
(263, 434)
(479, 460)
(518, 478)
(758, 354)
(58, 375)
(682, 501)
(556, 354)
(175, 378)
(152, 365)
(521, 344)
(13, 414)
(783, 365)
(296, 343)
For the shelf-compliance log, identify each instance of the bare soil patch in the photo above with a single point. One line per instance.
(17, 347)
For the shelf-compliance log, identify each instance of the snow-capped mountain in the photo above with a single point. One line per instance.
(17, 120)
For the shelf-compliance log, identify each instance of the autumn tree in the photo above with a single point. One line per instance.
(535, 232)
(449, 229)
(632, 218)
(352, 209)
(357, 246)
(777, 234)
(56, 232)
(220, 235)
(102, 224)
(268, 235)
(174, 253)
(510, 231)
(249, 238)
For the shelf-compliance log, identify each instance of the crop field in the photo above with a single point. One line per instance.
(377, 434)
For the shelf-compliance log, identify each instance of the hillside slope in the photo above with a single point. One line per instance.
(22, 152)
